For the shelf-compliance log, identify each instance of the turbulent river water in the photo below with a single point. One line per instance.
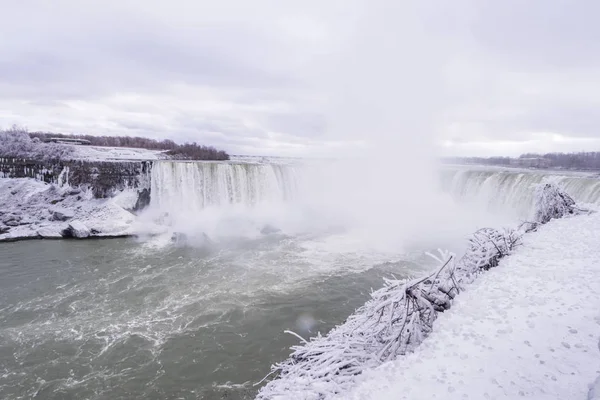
(116, 319)
(203, 316)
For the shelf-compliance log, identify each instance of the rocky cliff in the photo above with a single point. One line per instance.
(104, 178)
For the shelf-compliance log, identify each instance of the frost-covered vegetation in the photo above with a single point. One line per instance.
(583, 160)
(551, 202)
(186, 151)
(16, 143)
(401, 314)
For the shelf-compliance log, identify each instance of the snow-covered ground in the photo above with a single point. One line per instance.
(98, 153)
(30, 208)
(529, 328)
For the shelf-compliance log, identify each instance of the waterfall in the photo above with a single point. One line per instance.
(190, 187)
(194, 186)
(504, 189)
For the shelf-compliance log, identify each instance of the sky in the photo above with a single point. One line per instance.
(309, 78)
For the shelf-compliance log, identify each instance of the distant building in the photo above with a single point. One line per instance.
(67, 140)
(536, 162)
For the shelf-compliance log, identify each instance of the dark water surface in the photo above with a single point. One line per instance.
(118, 319)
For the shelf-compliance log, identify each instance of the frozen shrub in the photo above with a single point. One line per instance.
(16, 143)
(551, 202)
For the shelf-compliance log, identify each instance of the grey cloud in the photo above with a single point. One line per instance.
(569, 120)
(545, 34)
(224, 125)
(576, 121)
(98, 57)
(299, 124)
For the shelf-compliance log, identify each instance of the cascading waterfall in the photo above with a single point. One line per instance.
(503, 189)
(194, 186)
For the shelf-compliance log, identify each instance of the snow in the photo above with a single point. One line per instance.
(527, 328)
(126, 199)
(101, 153)
(78, 229)
(49, 232)
(30, 208)
(61, 214)
(594, 393)
(394, 322)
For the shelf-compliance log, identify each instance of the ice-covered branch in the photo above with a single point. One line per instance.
(552, 202)
(396, 320)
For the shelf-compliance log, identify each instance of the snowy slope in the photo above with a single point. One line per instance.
(98, 153)
(529, 328)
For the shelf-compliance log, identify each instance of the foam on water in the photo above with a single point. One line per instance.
(102, 317)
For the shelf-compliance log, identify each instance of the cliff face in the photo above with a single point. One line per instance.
(105, 178)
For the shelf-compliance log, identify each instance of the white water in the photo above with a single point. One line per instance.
(510, 191)
(368, 209)
(194, 186)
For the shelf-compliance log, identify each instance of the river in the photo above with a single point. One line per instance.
(119, 319)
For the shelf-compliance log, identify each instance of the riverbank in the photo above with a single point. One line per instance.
(528, 328)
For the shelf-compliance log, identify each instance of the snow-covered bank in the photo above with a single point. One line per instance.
(32, 209)
(105, 153)
(529, 328)
(401, 315)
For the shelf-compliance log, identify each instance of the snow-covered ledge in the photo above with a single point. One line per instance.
(401, 315)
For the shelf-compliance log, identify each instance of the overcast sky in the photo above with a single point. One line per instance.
(471, 77)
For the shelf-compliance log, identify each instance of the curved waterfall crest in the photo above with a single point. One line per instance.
(195, 186)
(503, 189)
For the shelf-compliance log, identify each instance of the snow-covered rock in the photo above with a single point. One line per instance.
(50, 232)
(127, 199)
(594, 393)
(12, 220)
(44, 210)
(108, 219)
(78, 230)
(62, 214)
(269, 229)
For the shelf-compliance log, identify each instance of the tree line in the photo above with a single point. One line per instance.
(501, 161)
(186, 151)
(577, 161)
(582, 160)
